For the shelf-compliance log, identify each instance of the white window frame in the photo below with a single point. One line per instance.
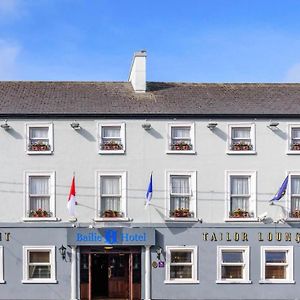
(50, 136)
(27, 175)
(123, 204)
(288, 196)
(1, 265)
(290, 264)
(194, 264)
(193, 196)
(252, 137)
(52, 255)
(289, 140)
(192, 135)
(122, 136)
(252, 199)
(245, 264)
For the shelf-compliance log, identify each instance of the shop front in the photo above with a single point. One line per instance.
(113, 263)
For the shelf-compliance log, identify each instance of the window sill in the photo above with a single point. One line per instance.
(41, 219)
(245, 152)
(277, 281)
(111, 151)
(233, 281)
(112, 219)
(292, 220)
(293, 152)
(180, 152)
(39, 281)
(39, 152)
(2, 281)
(241, 220)
(181, 219)
(181, 281)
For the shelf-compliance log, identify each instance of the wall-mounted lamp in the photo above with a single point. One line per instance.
(146, 126)
(62, 251)
(5, 125)
(273, 125)
(158, 252)
(75, 125)
(212, 125)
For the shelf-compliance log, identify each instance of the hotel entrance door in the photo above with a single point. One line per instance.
(113, 274)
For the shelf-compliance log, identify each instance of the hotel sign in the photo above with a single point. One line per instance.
(111, 236)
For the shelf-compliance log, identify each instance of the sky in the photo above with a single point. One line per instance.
(186, 41)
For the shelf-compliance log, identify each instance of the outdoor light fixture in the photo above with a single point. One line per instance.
(75, 125)
(273, 125)
(158, 252)
(62, 251)
(212, 125)
(5, 125)
(146, 126)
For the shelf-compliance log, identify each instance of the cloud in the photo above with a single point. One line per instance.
(8, 60)
(293, 74)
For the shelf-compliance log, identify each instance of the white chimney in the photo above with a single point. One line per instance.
(137, 75)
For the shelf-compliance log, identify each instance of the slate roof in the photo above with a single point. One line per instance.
(118, 98)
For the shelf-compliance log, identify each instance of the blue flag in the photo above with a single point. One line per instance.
(149, 192)
(282, 189)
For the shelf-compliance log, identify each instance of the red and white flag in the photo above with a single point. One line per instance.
(72, 199)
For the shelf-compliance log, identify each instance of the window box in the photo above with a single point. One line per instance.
(40, 213)
(181, 145)
(295, 147)
(39, 146)
(239, 213)
(111, 214)
(181, 213)
(295, 214)
(241, 147)
(111, 145)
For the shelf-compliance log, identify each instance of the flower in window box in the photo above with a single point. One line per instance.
(295, 213)
(39, 213)
(295, 146)
(111, 145)
(181, 213)
(111, 214)
(239, 213)
(241, 146)
(181, 145)
(39, 146)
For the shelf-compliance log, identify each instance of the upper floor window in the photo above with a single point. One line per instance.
(39, 193)
(181, 138)
(241, 200)
(181, 264)
(182, 194)
(294, 139)
(112, 138)
(39, 138)
(294, 196)
(1, 265)
(39, 264)
(112, 195)
(233, 264)
(241, 139)
(277, 264)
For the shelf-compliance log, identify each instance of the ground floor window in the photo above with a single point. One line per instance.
(181, 264)
(39, 264)
(233, 264)
(1, 265)
(277, 264)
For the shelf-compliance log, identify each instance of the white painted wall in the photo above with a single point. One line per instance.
(145, 152)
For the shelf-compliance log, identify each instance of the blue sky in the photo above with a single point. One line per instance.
(191, 40)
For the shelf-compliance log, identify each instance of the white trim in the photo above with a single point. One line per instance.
(289, 262)
(122, 136)
(52, 256)
(289, 139)
(193, 264)
(288, 200)
(252, 137)
(192, 137)
(123, 204)
(50, 137)
(245, 250)
(193, 195)
(252, 199)
(1, 265)
(27, 175)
